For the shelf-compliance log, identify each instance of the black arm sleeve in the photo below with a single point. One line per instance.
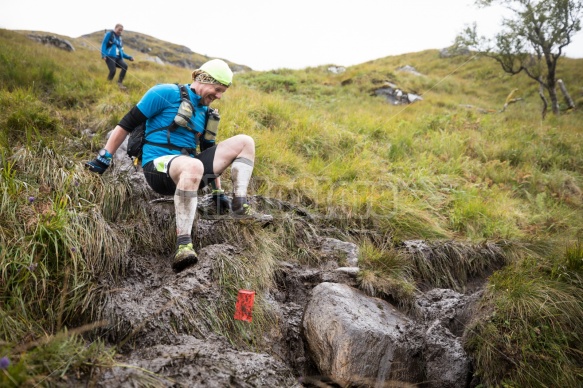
(132, 119)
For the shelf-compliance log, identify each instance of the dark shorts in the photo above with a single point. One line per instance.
(161, 182)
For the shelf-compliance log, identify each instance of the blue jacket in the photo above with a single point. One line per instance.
(160, 105)
(116, 48)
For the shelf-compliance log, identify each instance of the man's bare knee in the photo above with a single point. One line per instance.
(246, 140)
(184, 170)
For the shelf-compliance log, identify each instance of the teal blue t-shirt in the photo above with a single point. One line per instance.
(160, 105)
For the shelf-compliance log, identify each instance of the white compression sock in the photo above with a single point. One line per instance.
(185, 203)
(241, 171)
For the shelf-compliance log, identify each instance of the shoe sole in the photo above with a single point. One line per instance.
(186, 262)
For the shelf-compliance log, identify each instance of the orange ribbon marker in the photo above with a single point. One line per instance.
(244, 306)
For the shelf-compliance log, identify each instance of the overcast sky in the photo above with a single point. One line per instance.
(270, 34)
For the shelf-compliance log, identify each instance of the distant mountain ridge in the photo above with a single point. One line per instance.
(160, 51)
(155, 50)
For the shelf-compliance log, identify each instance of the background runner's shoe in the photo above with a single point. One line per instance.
(186, 256)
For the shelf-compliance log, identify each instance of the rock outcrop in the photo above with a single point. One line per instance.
(52, 40)
(358, 339)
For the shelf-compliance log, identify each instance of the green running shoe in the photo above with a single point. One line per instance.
(246, 213)
(186, 256)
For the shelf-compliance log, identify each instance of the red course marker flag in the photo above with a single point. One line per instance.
(244, 306)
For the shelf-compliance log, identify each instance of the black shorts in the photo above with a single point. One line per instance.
(161, 182)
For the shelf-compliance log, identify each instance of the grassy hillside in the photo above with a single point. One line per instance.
(438, 169)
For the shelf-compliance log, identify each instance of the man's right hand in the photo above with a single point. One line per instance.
(222, 203)
(100, 163)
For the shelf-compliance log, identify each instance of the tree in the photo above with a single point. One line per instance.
(532, 40)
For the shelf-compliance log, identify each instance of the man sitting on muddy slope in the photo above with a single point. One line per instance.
(171, 165)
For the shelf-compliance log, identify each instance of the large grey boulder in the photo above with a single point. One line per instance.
(357, 339)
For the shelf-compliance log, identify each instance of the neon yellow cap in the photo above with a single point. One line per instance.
(219, 70)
